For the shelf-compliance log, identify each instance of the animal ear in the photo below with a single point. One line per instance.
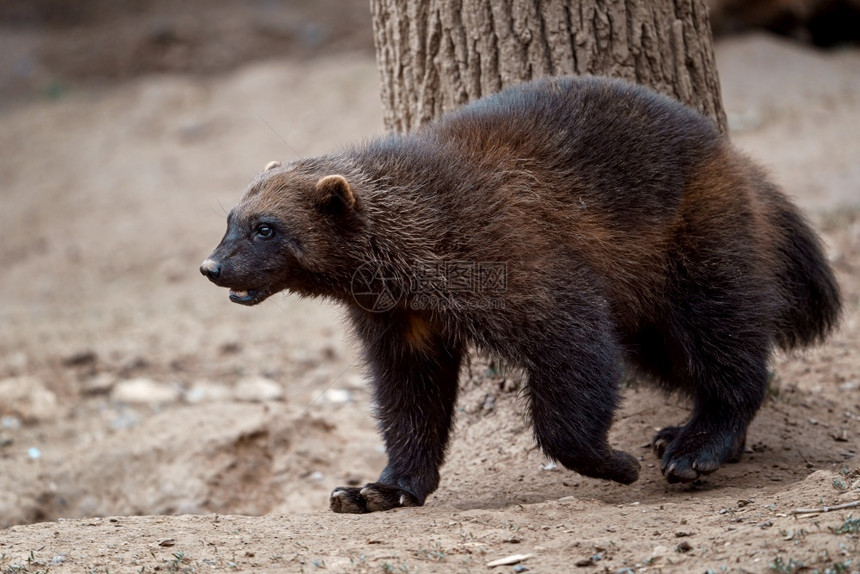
(333, 191)
(272, 165)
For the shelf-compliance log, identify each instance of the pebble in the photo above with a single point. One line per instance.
(206, 392)
(337, 396)
(143, 390)
(80, 358)
(840, 435)
(28, 399)
(509, 560)
(100, 384)
(258, 390)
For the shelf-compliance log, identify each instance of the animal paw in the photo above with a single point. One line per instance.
(693, 453)
(623, 468)
(663, 439)
(687, 454)
(371, 497)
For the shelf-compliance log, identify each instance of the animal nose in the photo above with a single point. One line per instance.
(211, 269)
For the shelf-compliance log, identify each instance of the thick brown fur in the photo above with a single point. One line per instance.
(626, 230)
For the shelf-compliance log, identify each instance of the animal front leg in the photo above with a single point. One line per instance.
(415, 388)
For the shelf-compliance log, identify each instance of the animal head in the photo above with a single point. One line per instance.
(291, 230)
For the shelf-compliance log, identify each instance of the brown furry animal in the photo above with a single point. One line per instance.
(567, 225)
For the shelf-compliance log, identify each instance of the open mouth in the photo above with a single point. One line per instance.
(246, 296)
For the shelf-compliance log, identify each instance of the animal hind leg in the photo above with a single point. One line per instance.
(725, 353)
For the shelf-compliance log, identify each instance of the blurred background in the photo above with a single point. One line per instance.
(128, 383)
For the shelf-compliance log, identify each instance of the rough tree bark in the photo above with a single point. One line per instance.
(434, 55)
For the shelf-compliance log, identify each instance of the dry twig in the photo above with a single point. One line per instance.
(826, 508)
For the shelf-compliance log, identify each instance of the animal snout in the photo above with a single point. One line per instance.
(211, 269)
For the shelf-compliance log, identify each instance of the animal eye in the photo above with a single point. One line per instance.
(265, 232)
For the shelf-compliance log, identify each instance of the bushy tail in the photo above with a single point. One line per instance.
(811, 300)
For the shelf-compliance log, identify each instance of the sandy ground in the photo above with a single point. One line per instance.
(130, 386)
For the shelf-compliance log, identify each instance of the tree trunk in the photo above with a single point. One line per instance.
(435, 55)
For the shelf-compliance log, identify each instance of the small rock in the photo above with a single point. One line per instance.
(34, 453)
(583, 562)
(659, 551)
(143, 391)
(205, 392)
(849, 386)
(840, 436)
(27, 399)
(230, 348)
(80, 358)
(509, 560)
(337, 396)
(683, 547)
(258, 390)
(167, 542)
(100, 384)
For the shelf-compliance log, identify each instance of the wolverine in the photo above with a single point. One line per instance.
(630, 233)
